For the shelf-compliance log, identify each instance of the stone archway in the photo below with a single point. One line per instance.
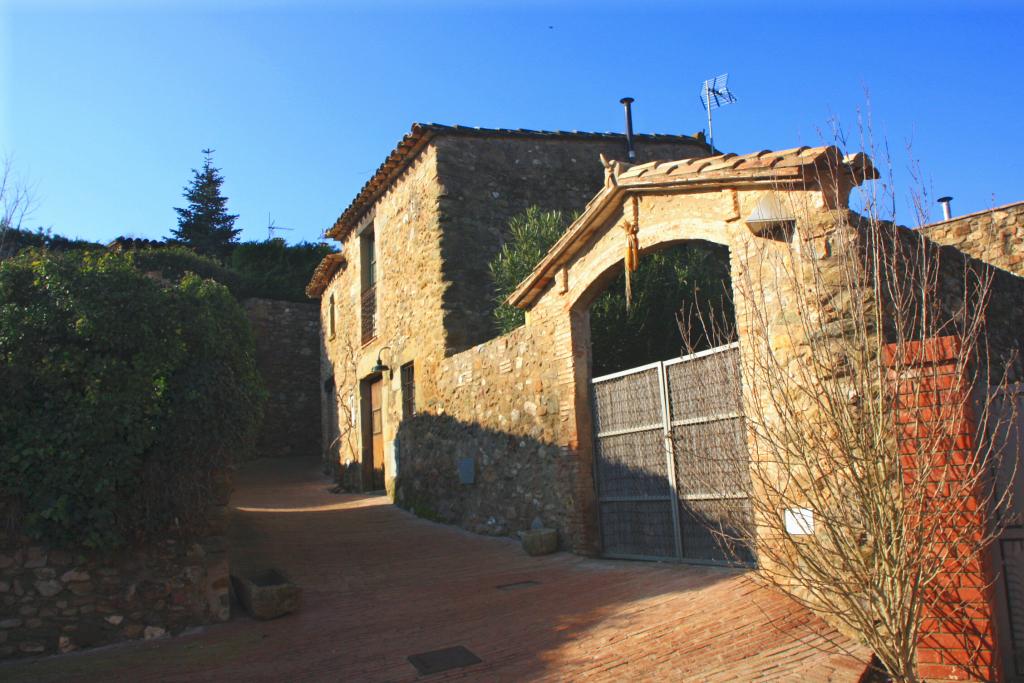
(670, 458)
(707, 199)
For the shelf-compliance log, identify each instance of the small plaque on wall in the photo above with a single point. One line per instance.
(467, 470)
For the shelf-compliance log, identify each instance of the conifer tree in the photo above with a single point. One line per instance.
(205, 225)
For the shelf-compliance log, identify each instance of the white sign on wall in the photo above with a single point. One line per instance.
(799, 521)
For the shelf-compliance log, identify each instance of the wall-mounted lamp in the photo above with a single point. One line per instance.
(379, 367)
(771, 219)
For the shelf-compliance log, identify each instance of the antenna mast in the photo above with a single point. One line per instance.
(713, 94)
(271, 228)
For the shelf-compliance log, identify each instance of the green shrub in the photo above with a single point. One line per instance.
(675, 279)
(172, 262)
(13, 240)
(275, 270)
(122, 396)
(531, 234)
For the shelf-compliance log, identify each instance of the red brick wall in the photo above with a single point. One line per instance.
(957, 633)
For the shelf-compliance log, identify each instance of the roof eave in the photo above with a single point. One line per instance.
(799, 167)
(530, 289)
(323, 274)
(420, 135)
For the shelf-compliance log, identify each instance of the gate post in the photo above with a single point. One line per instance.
(958, 642)
(581, 445)
(670, 457)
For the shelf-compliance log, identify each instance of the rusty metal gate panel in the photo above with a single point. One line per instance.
(1007, 427)
(636, 503)
(712, 462)
(671, 458)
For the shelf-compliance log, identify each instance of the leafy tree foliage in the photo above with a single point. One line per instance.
(122, 396)
(531, 234)
(672, 280)
(205, 225)
(275, 270)
(173, 262)
(16, 239)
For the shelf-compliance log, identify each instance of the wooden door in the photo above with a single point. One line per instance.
(377, 435)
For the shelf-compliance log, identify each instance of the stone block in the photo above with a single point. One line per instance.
(35, 558)
(540, 541)
(74, 575)
(267, 595)
(151, 632)
(49, 588)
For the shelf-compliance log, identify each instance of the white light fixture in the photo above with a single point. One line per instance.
(771, 219)
(799, 521)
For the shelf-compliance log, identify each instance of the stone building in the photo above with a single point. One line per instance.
(995, 236)
(411, 287)
(494, 433)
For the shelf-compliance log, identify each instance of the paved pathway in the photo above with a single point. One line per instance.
(381, 585)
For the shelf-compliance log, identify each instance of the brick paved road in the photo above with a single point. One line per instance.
(381, 584)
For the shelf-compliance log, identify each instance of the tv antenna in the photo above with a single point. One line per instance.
(271, 228)
(714, 94)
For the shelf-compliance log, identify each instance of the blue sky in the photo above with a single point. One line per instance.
(106, 105)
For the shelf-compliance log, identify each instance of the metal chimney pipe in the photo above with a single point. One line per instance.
(946, 214)
(630, 151)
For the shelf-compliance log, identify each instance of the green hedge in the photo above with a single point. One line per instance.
(13, 240)
(275, 270)
(123, 395)
(173, 262)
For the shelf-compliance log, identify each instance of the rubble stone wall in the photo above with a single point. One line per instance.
(995, 236)
(487, 181)
(287, 336)
(54, 600)
(499, 413)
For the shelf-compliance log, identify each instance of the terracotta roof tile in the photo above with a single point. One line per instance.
(421, 133)
(798, 164)
(323, 273)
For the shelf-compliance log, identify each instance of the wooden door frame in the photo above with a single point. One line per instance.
(366, 429)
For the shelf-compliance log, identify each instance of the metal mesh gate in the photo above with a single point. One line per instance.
(671, 459)
(1007, 427)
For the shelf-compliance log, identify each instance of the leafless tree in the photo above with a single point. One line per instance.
(343, 414)
(871, 504)
(16, 197)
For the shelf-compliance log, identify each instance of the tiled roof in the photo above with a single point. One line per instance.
(421, 133)
(800, 165)
(325, 270)
(731, 167)
(130, 243)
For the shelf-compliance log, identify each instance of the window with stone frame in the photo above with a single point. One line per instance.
(330, 317)
(368, 261)
(408, 390)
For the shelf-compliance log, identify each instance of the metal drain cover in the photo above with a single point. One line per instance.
(442, 660)
(517, 585)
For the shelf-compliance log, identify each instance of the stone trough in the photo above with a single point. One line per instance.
(267, 594)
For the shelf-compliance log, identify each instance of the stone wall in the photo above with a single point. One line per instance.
(287, 336)
(496, 412)
(487, 181)
(1002, 339)
(995, 236)
(436, 228)
(55, 600)
(409, 289)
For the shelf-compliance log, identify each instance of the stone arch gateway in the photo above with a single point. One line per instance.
(679, 201)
